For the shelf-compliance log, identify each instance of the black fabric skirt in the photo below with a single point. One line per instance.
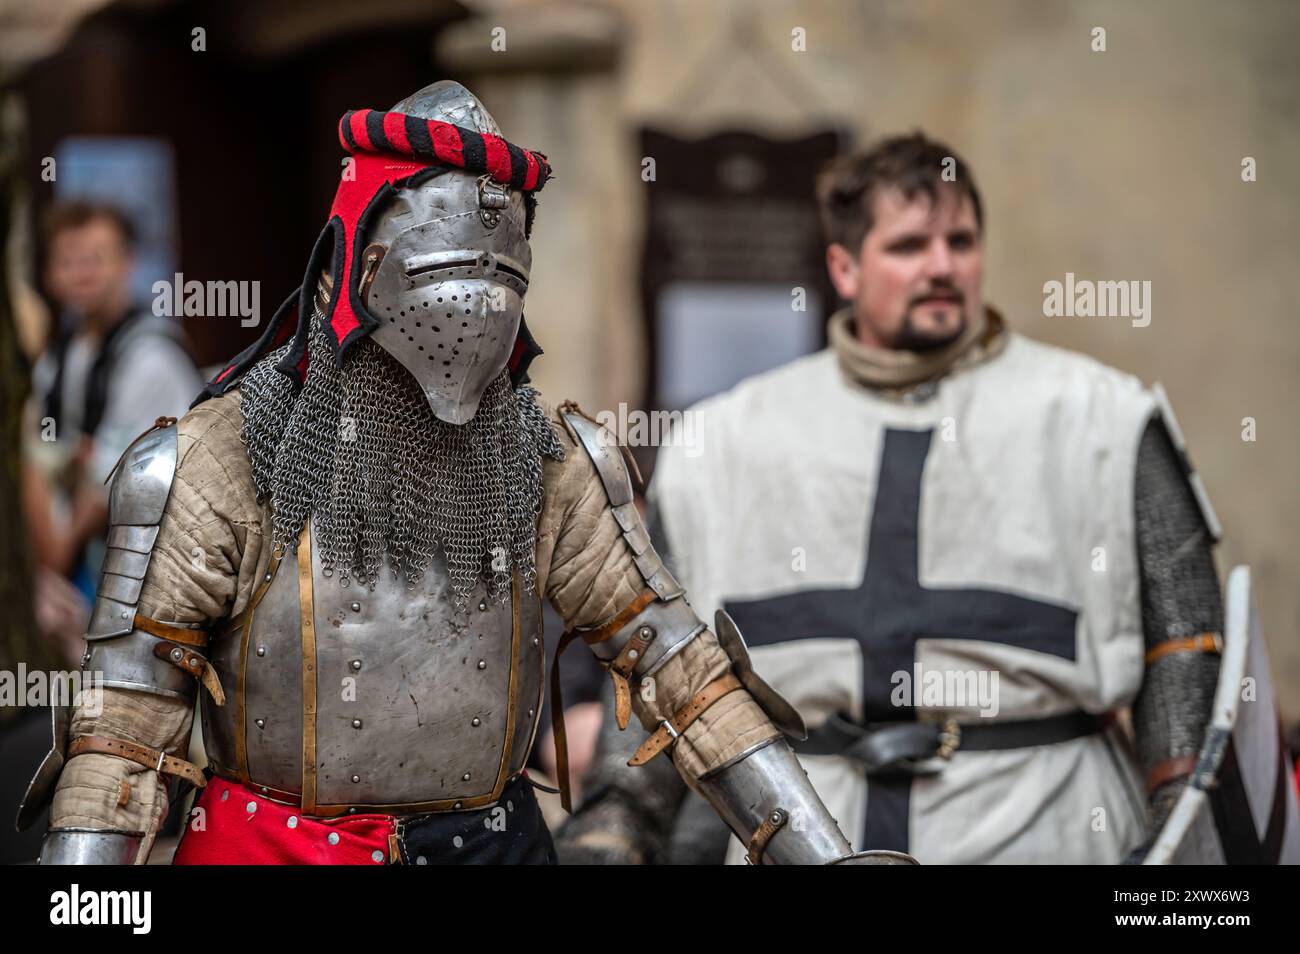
(511, 832)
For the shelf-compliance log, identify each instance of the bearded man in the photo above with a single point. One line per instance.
(962, 555)
(346, 541)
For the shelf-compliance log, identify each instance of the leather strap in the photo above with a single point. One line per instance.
(906, 748)
(668, 732)
(1170, 770)
(177, 634)
(189, 661)
(621, 668)
(1204, 643)
(155, 759)
(557, 724)
(774, 822)
(591, 637)
(602, 632)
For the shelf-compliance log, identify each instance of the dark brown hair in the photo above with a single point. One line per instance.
(76, 213)
(914, 164)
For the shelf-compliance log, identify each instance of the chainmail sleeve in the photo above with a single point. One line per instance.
(1181, 601)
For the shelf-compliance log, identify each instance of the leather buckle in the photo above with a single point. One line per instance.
(949, 739)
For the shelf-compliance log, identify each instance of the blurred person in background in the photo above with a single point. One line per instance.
(955, 499)
(112, 368)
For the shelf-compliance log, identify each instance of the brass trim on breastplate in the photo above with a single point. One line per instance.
(512, 701)
(307, 627)
(243, 625)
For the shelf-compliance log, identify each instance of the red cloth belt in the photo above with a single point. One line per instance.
(231, 825)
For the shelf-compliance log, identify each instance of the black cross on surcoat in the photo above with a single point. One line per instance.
(889, 611)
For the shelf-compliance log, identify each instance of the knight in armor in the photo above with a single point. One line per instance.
(342, 551)
(935, 502)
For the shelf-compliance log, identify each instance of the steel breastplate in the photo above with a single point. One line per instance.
(385, 699)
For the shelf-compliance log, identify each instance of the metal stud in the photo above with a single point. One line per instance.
(356, 723)
(293, 821)
(267, 578)
(356, 607)
(250, 807)
(194, 662)
(530, 713)
(465, 777)
(475, 721)
(356, 778)
(482, 664)
(646, 632)
(536, 641)
(356, 664)
(265, 790)
(456, 806)
(261, 723)
(458, 841)
(633, 654)
(482, 605)
(333, 839)
(261, 650)
(377, 856)
(178, 654)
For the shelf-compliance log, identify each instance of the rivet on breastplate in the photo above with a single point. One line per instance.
(265, 790)
(456, 806)
(261, 723)
(465, 777)
(267, 578)
(356, 664)
(356, 723)
(530, 713)
(536, 641)
(482, 664)
(333, 839)
(632, 654)
(125, 614)
(356, 607)
(177, 654)
(355, 779)
(645, 632)
(475, 721)
(482, 605)
(261, 650)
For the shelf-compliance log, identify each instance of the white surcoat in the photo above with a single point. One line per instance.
(1013, 480)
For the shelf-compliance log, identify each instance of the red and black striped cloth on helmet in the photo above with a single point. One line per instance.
(372, 135)
(372, 130)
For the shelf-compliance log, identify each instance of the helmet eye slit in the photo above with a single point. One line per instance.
(468, 263)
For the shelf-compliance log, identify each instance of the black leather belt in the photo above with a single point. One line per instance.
(905, 748)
